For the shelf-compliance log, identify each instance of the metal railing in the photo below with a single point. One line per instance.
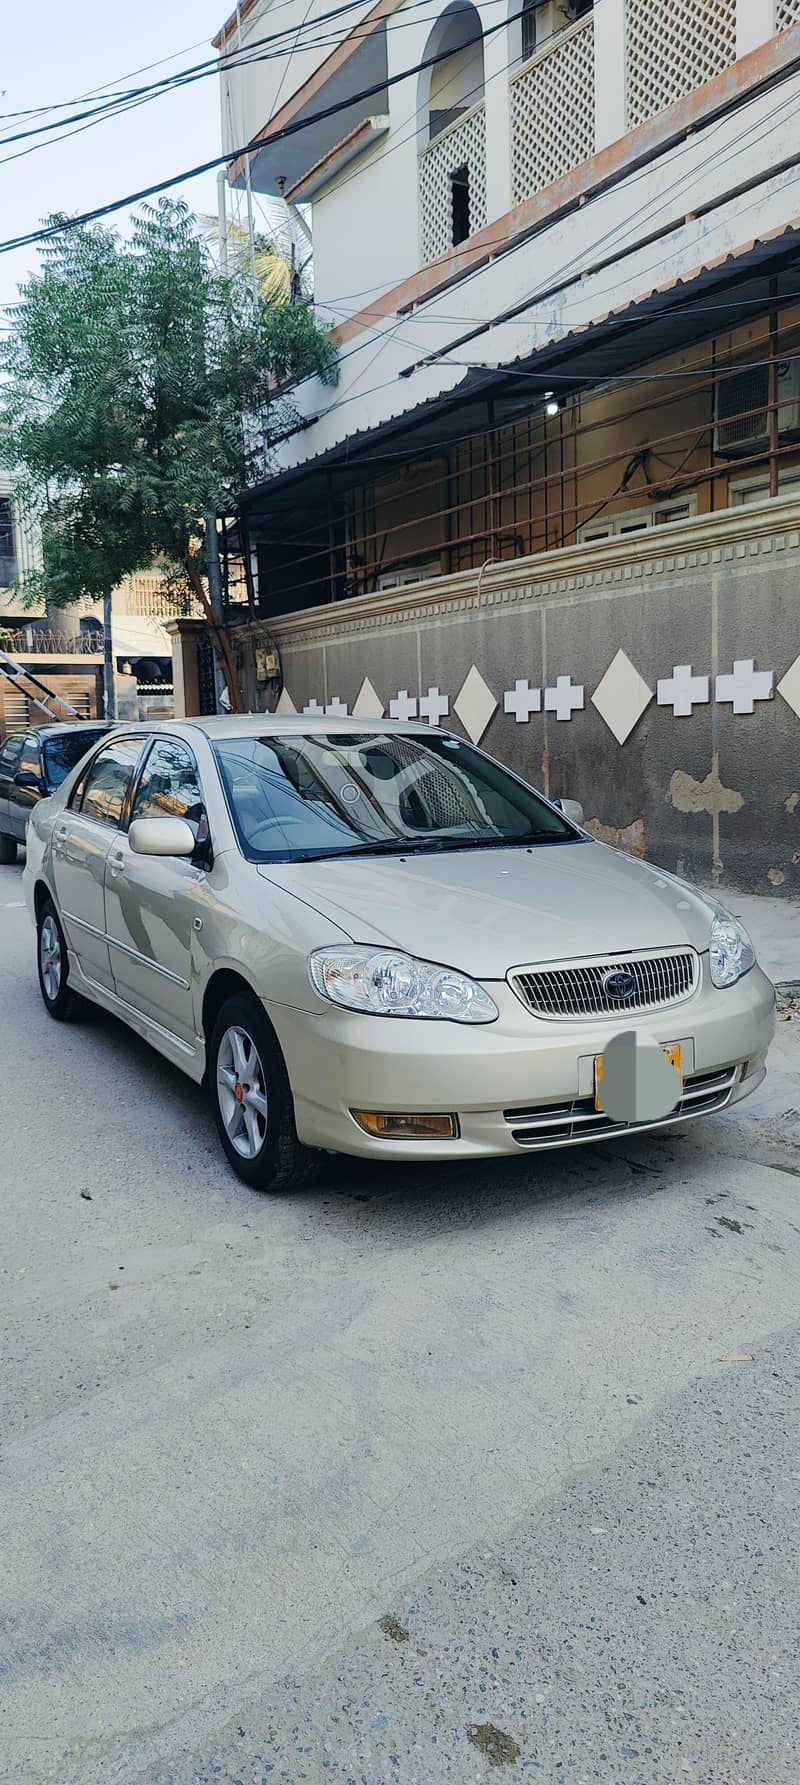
(30, 641)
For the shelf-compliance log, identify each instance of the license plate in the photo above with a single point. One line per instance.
(671, 1051)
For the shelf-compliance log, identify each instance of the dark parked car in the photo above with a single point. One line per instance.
(32, 765)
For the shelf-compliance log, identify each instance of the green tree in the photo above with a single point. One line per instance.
(141, 392)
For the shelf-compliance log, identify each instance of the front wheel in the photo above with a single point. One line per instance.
(8, 850)
(252, 1100)
(51, 954)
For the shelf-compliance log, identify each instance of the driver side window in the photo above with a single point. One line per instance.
(169, 785)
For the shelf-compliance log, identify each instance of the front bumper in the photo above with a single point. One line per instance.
(518, 1084)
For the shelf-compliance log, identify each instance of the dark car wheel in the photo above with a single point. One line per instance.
(252, 1100)
(8, 850)
(53, 962)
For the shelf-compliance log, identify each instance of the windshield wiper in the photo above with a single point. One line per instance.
(436, 845)
(381, 846)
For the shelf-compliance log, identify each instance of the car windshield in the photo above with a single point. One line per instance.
(64, 750)
(300, 797)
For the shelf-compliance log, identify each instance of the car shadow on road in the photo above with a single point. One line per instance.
(436, 1198)
(372, 1197)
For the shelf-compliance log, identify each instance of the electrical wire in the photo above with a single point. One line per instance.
(293, 128)
(431, 360)
(115, 103)
(788, 332)
(489, 245)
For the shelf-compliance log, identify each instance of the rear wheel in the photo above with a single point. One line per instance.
(252, 1100)
(51, 954)
(8, 850)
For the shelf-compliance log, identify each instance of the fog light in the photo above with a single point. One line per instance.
(389, 1127)
(755, 1064)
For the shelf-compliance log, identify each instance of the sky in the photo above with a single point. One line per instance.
(52, 52)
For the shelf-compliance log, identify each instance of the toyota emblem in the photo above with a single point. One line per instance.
(619, 986)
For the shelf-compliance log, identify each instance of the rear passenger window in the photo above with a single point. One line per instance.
(107, 780)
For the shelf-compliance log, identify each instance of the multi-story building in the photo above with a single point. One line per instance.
(555, 497)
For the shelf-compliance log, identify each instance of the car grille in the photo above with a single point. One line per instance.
(562, 1124)
(657, 980)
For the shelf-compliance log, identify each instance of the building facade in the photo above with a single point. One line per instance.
(555, 497)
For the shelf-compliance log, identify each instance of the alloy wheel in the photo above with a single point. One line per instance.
(242, 1092)
(50, 956)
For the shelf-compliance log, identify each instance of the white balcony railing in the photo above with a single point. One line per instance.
(672, 47)
(463, 145)
(552, 110)
(787, 12)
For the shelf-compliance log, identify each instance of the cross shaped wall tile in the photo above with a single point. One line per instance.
(522, 700)
(745, 686)
(681, 691)
(336, 708)
(404, 706)
(313, 707)
(564, 699)
(434, 706)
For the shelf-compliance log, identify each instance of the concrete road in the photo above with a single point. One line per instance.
(416, 1477)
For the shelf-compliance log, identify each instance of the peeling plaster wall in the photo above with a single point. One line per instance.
(714, 796)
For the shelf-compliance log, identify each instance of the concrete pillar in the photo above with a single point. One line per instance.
(610, 113)
(755, 23)
(184, 635)
(498, 124)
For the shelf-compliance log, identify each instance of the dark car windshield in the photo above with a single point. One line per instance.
(62, 751)
(298, 797)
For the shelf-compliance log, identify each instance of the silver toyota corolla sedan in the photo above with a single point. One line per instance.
(373, 939)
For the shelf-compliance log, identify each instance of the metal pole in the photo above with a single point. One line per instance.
(222, 222)
(215, 595)
(247, 183)
(774, 423)
(109, 691)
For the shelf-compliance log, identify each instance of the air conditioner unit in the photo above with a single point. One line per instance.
(741, 415)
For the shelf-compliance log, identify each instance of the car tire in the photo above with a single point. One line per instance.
(8, 850)
(52, 960)
(252, 1099)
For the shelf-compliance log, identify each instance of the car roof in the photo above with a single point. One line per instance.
(257, 725)
(65, 725)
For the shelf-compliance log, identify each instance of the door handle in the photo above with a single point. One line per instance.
(116, 864)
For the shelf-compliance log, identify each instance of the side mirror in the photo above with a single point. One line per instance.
(161, 836)
(32, 782)
(571, 809)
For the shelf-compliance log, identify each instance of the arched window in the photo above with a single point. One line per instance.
(452, 129)
(454, 82)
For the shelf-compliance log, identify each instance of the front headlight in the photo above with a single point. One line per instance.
(730, 951)
(385, 982)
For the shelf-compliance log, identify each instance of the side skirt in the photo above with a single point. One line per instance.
(191, 1060)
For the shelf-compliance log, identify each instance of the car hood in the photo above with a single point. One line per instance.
(486, 910)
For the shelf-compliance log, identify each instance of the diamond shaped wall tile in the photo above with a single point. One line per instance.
(621, 697)
(475, 705)
(366, 704)
(285, 704)
(789, 687)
